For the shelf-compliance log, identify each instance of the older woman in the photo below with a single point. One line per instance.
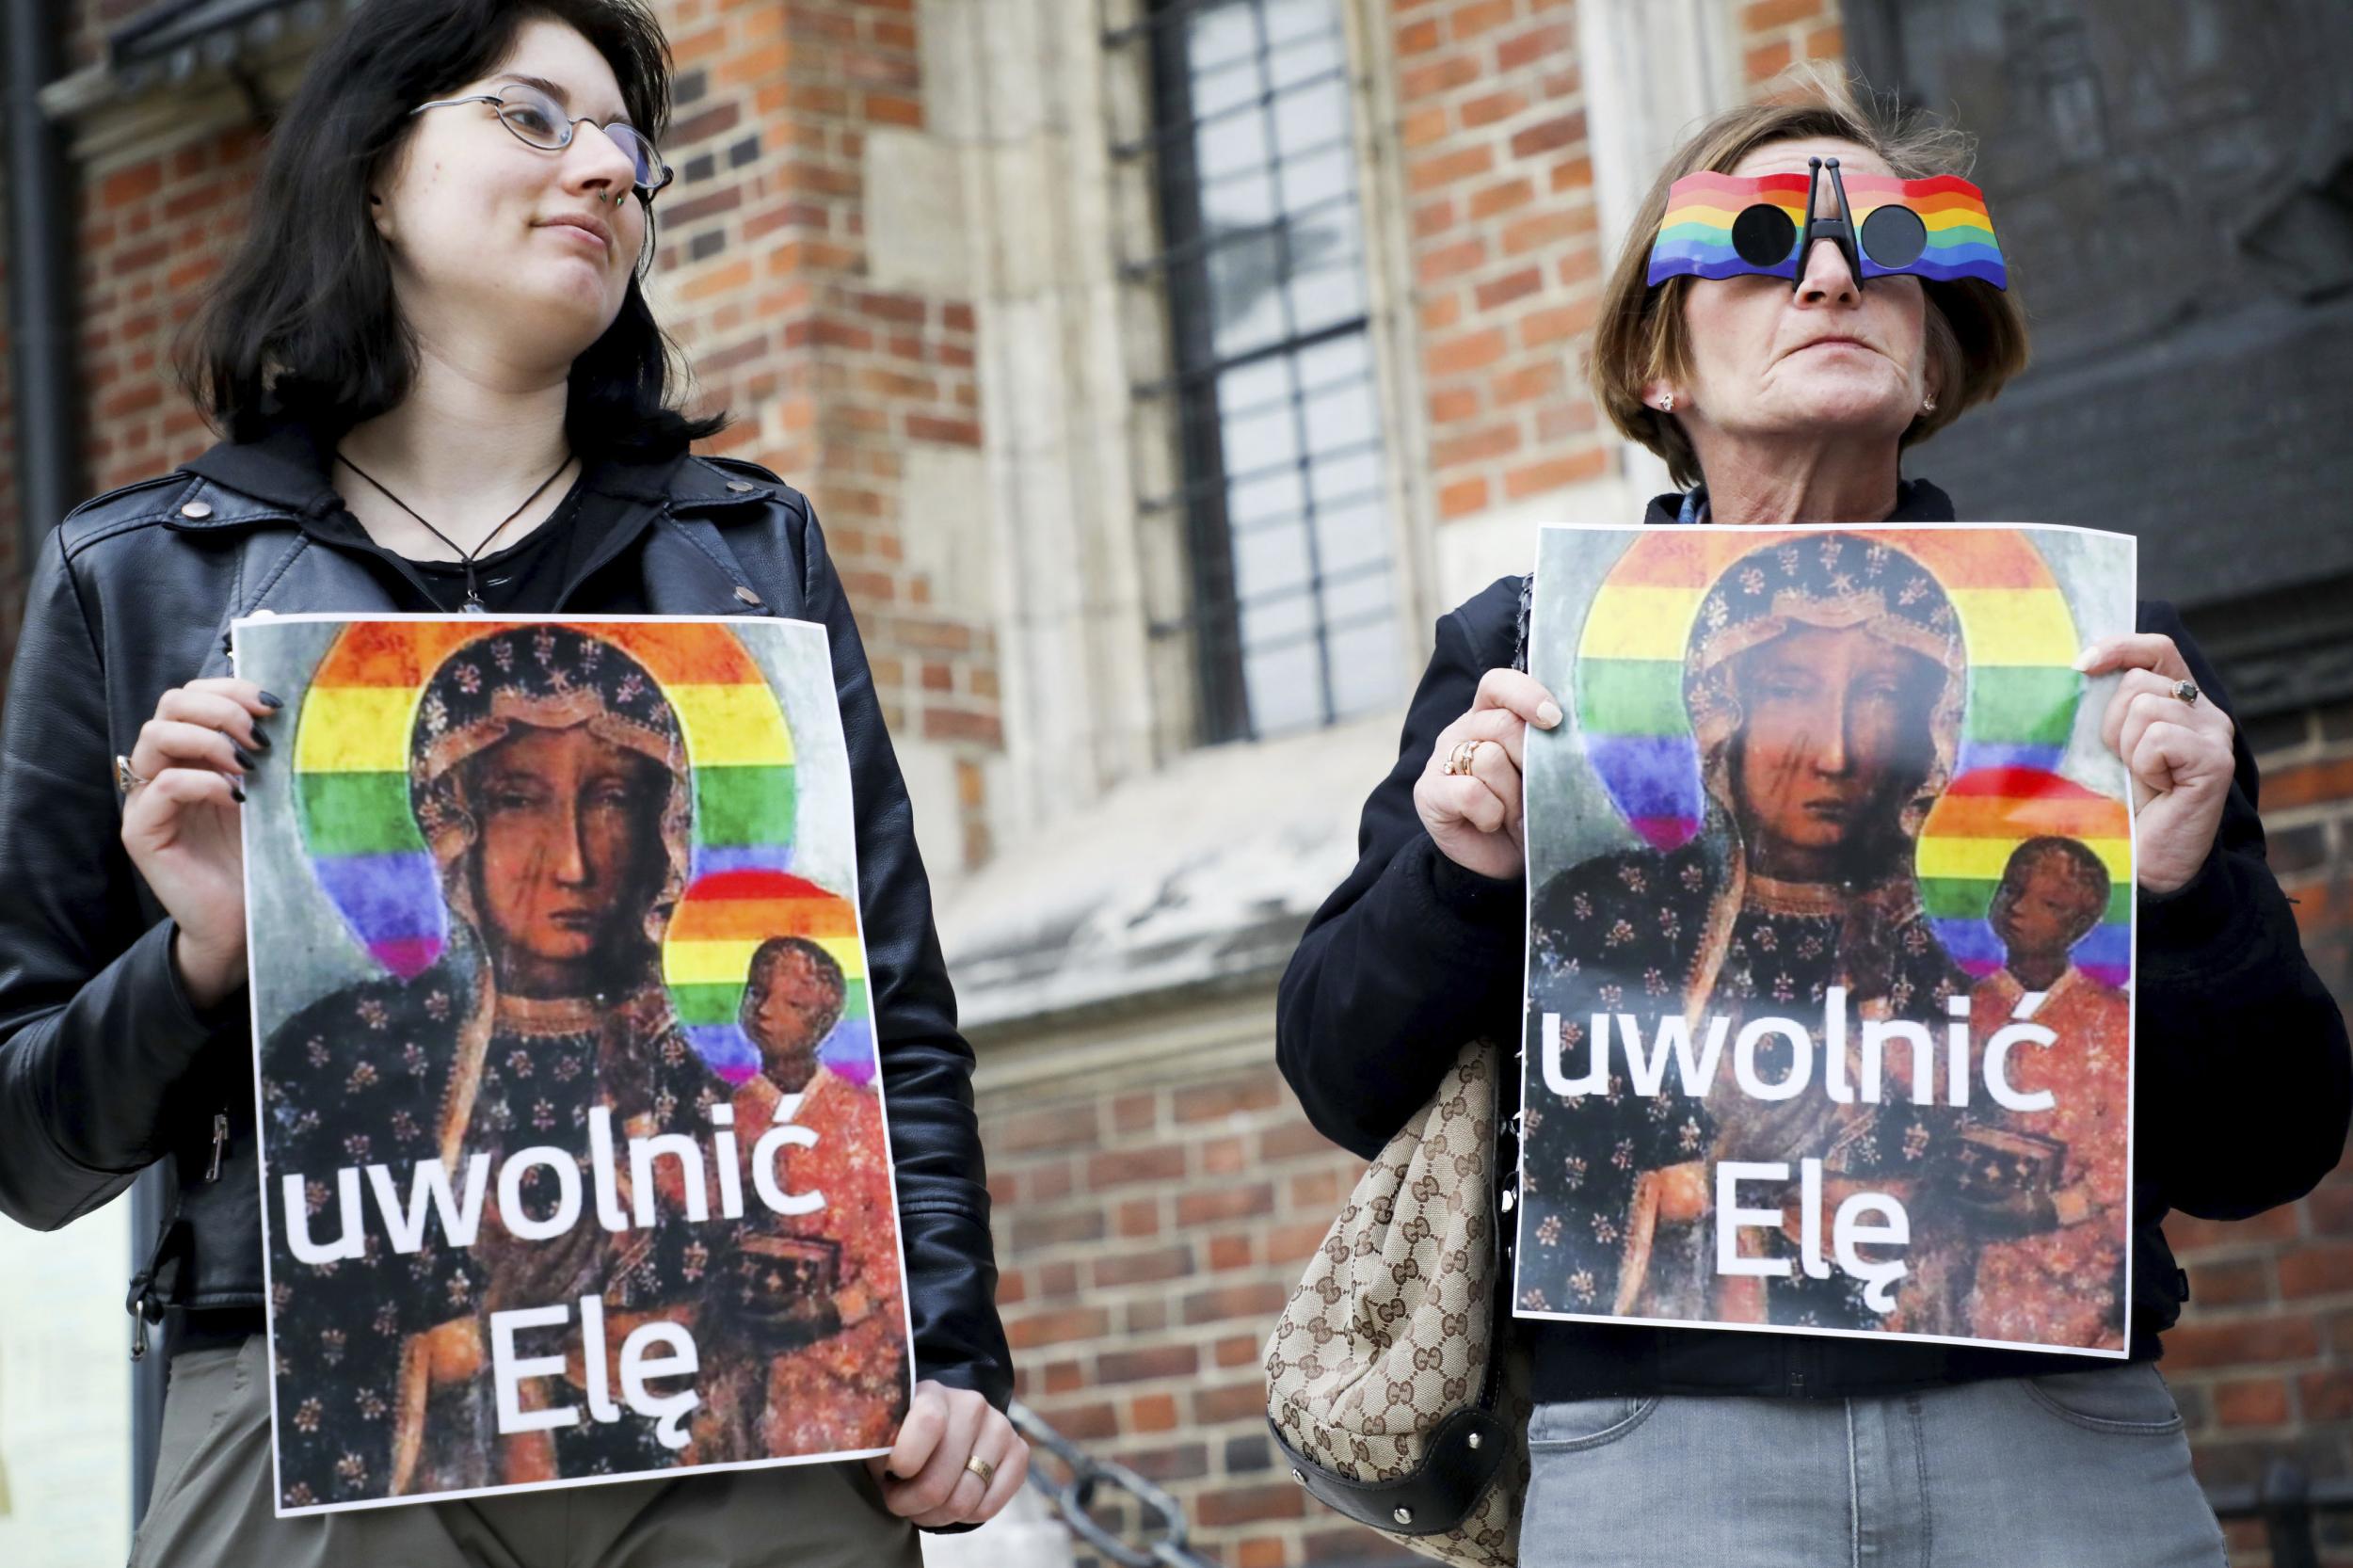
(1789, 400)
(442, 389)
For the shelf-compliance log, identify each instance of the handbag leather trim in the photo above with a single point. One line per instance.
(1437, 1495)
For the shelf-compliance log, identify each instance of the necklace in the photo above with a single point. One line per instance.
(474, 605)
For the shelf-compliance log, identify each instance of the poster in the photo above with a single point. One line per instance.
(573, 1153)
(1828, 1012)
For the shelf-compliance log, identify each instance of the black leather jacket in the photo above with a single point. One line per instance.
(2243, 1081)
(106, 1069)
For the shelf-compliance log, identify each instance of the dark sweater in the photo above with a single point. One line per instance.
(2243, 1081)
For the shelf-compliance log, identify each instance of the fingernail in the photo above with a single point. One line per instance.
(273, 701)
(1548, 714)
(245, 758)
(236, 795)
(2084, 659)
(261, 742)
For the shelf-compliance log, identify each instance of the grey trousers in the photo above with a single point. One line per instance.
(211, 1506)
(2074, 1470)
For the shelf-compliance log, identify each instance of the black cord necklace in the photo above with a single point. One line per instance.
(474, 605)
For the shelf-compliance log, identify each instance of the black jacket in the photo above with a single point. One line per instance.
(106, 1069)
(2243, 1081)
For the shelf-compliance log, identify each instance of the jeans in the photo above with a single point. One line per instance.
(2072, 1470)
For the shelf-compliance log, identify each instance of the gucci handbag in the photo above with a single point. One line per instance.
(1390, 1388)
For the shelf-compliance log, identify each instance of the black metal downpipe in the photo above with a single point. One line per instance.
(41, 279)
(49, 478)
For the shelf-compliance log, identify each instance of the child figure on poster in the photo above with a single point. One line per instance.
(549, 779)
(847, 1388)
(1824, 681)
(2055, 1274)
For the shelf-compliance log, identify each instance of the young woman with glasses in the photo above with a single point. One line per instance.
(442, 390)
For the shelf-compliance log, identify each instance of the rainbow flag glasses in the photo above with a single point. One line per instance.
(1724, 225)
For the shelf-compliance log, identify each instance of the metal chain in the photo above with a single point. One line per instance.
(1165, 1526)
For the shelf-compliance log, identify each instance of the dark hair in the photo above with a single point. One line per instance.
(2076, 863)
(303, 324)
(775, 951)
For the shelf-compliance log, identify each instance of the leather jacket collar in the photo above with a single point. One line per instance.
(283, 474)
(265, 491)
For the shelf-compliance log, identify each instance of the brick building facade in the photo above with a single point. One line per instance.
(923, 249)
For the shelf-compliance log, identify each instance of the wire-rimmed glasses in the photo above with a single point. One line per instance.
(538, 121)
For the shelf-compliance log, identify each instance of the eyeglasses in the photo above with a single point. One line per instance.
(1724, 225)
(536, 121)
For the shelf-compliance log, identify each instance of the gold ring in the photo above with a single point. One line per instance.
(126, 779)
(1459, 761)
(982, 1468)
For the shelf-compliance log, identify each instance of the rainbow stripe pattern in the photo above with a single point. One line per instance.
(1967, 843)
(2015, 623)
(724, 919)
(1695, 236)
(351, 786)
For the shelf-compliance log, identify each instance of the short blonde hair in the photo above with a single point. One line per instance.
(1977, 333)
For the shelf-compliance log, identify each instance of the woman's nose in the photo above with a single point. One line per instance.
(1827, 280)
(596, 162)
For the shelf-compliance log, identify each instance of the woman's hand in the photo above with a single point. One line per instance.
(2178, 754)
(182, 827)
(1475, 817)
(926, 1476)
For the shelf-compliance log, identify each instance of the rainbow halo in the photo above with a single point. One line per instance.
(2019, 635)
(351, 784)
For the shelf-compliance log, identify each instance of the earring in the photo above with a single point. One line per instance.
(1666, 403)
(1928, 405)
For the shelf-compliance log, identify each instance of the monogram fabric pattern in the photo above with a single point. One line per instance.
(1392, 1329)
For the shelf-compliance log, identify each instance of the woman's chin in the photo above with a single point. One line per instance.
(1864, 406)
(568, 310)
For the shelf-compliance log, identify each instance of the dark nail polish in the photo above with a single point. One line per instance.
(260, 740)
(236, 795)
(245, 758)
(273, 701)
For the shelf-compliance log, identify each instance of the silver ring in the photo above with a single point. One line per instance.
(2186, 690)
(126, 779)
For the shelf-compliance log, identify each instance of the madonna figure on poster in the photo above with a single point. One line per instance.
(1825, 682)
(549, 779)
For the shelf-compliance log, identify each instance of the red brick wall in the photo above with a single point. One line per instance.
(2263, 1360)
(152, 234)
(1504, 242)
(1148, 1238)
(835, 381)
